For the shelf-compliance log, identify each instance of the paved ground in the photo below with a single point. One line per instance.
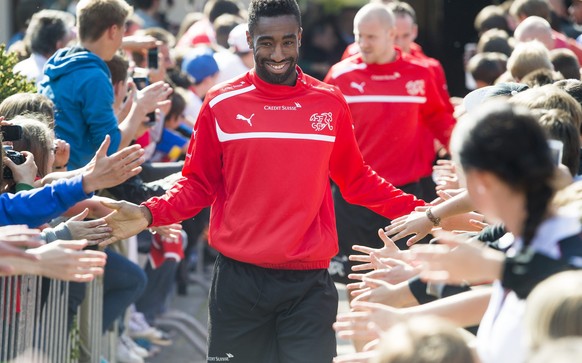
(195, 305)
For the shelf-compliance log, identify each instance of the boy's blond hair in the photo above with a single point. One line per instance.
(94, 17)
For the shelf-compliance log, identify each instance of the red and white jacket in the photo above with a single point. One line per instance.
(262, 155)
(388, 102)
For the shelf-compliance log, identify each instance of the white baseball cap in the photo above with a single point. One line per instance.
(237, 38)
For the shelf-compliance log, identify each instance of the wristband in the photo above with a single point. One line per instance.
(436, 221)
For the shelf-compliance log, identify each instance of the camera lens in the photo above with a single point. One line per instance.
(16, 157)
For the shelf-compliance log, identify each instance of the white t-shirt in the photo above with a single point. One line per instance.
(230, 65)
(32, 67)
(501, 337)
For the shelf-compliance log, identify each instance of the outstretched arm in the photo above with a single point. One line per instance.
(62, 260)
(418, 224)
(464, 309)
(126, 220)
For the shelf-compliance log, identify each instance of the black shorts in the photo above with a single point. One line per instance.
(262, 315)
(357, 225)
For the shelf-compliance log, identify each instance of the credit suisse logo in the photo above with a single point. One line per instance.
(294, 107)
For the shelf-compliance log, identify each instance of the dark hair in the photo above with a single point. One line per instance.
(495, 40)
(559, 125)
(487, 67)
(527, 8)
(118, 66)
(573, 87)
(507, 141)
(178, 99)
(215, 8)
(565, 62)
(272, 8)
(46, 28)
(177, 78)
(541, 77)
(491, 17)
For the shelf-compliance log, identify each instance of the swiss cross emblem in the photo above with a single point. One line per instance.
(415, 88)
(320, 121)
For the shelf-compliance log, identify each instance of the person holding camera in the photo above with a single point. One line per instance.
(56, 198)
(78, 81)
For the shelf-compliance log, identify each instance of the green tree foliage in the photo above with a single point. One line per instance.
(11, 83)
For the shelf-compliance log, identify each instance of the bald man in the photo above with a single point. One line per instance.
(389, 97)
(538, 28)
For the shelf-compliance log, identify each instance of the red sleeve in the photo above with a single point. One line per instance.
(328, 78)
(350, 50)
(201, 176)
(441, 82)
(358, 183)
(435, 114)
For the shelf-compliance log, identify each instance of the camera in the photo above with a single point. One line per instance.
(140, 82)
(16, 157)
(11, 132)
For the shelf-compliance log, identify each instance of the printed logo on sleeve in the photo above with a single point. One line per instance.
(415, 88)
(320, 121)
(234, 86)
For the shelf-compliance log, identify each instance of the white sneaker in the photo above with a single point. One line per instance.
(125, 354)
(139, 350)
(137, 322)
(138, 327)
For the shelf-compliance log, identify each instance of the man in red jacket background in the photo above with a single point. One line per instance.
(395, 102)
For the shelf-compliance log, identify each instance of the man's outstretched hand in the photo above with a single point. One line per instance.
(126, 220)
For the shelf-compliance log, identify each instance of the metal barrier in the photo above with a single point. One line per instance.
(34, 313)
(90, 323)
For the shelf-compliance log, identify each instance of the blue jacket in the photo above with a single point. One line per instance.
(38, 206)
(79, 84)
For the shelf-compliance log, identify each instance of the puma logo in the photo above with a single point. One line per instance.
(248, 120)
(358, 86)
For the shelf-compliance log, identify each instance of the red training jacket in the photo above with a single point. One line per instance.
(388, 102)
(262, 155)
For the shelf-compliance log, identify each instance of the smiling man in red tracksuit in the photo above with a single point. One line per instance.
(264, 148)
(390, 98)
